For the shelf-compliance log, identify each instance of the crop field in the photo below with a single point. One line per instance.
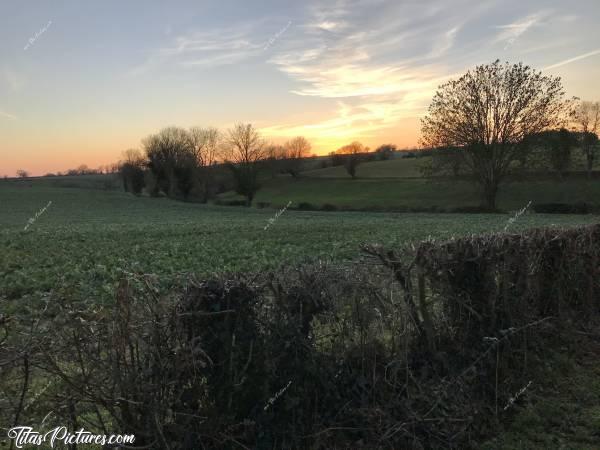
(398, 185)
(88, 238)
(418, 193)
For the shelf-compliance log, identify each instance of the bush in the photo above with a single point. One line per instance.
(231, 202)
(562, 208)
(329, 207)
(475, 210)
(305, 206)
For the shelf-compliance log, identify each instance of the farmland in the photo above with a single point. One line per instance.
(87, 238)
(91, 237)
(398, 185)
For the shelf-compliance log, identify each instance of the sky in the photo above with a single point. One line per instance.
(82, 81)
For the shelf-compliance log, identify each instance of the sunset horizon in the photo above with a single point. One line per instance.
(80, 84)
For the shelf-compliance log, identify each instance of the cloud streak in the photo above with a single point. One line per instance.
(511, 32)
(7, 115)
(379, 71)
(211, 48)
(571, 60)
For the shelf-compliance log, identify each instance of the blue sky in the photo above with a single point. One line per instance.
(82, 81)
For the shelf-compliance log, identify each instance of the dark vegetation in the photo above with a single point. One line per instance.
(418, 347)
(486, 116)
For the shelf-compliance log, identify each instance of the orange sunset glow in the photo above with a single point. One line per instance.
(76, 91)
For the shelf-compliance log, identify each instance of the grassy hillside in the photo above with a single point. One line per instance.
(403, 193)
(96, 181)
(393, 168)
(398, 185)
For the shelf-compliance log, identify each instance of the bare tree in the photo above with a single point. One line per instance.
(207, 146)
(132, 171)
(299, 147)
(274, 159)
(172, 161)
(244, 150)
(22, 173)
(245, 146)
(353, 155)
(205, 142)
(587, 120)
(293, 153)
(487, 113)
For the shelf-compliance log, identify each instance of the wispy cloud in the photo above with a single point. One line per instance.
(570, 60)
(377, 61)
(509, 33)
(7, 115)
(445, 43)
(11, 79)
(211, 48)
(380, 71)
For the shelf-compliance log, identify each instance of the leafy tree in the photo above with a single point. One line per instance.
(487, 113)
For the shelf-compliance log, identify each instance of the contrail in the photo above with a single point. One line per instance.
(577, 58)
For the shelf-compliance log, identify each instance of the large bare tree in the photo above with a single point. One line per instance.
(244, 144)
(172, 160)
(487, 113)
(587, 120)
(205, 142)
(244, 150)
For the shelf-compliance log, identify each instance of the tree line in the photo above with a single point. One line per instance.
(180, 162)
(204, 161)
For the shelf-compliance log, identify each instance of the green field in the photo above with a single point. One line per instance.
(401, 194)
(85, 240)
(397, 185)
(394, 168)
